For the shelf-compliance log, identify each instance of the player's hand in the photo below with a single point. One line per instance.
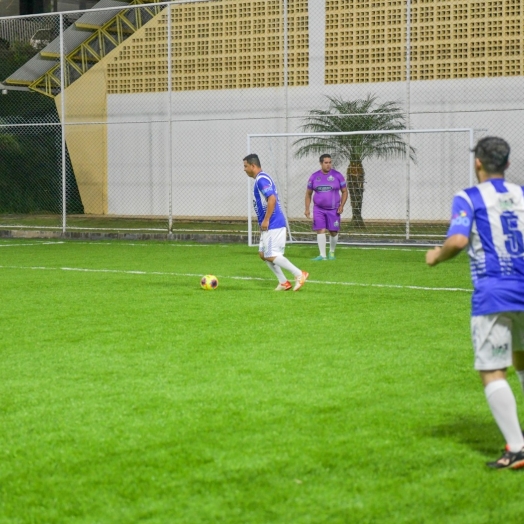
(265, 225)
(340, 210)
(432, 256)
(307, 213)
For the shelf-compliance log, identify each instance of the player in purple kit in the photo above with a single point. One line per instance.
(272, 226)
(488, 219)
(330, 196)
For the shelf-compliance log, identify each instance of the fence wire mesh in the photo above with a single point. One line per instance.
(135, 116)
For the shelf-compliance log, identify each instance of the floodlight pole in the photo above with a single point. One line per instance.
(249, 213)
(286, 109)
(62, 127)
(408, 116)
(170, 117)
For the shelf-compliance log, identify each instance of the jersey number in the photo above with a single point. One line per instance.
(514, 239)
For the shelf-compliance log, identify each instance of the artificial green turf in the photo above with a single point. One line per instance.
(128, 394)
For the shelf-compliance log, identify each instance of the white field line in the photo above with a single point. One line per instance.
(30, 244)
(163, 273)
(146, 244)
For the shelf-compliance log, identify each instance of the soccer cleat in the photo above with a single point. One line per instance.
(331, 256)
(509, 460)
(319, 258)
(300, 280)
(286, 286)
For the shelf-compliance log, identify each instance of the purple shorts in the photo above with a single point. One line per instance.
(325, 219)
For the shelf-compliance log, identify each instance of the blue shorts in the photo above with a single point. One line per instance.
(325, 219)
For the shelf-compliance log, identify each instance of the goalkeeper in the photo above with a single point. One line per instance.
(331, 194)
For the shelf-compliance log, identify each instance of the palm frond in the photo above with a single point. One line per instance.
(353, 116)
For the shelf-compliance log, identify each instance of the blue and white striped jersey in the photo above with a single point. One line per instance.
(491, 214)
(264, 188)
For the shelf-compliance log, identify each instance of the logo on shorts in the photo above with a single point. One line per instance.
(336, 223)
(460, 219)
(499, 351)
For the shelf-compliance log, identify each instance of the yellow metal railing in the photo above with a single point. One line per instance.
(104, 39)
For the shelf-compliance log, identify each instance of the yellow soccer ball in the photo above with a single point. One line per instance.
(209, 282)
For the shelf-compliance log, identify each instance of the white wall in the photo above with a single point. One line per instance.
(209, 133)
(209, 130)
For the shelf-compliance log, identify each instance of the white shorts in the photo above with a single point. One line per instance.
(273, 242)
(495, 337)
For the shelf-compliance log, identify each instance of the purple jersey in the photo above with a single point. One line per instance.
(326, 187)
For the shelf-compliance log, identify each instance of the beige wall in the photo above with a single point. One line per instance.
(86, 101)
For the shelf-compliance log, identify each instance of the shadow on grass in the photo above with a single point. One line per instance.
(480, 436)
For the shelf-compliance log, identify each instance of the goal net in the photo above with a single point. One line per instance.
(400, 183)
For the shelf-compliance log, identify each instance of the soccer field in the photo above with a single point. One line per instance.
(128, 394)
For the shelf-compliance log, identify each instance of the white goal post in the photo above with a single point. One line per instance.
(401, 201)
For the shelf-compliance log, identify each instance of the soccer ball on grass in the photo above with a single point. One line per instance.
(209, 282)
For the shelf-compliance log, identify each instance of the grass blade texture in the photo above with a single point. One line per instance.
(128, 394)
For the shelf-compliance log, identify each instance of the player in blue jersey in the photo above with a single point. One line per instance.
(330, 196)
(272, 226)
(489, 219)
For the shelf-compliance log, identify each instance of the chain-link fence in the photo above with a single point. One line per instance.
(135, 117)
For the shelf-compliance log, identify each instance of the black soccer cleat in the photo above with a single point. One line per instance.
(509, 460)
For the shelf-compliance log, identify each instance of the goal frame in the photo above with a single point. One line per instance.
(408, 132)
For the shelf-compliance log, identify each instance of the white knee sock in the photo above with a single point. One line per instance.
(321, 241)
(333, 243)
(278, 272)
(520, 375)
(284, 263)
(504, 409)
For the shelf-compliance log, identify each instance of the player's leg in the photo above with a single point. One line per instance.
(283, 282)
(319, 225)
(517, 332)
(491, 336)
(333, 225)
(276, 245)
(333, 240)
(264, 248)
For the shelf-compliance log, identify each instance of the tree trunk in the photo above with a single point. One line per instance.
(355, 181)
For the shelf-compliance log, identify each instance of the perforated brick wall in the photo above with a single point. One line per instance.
(365, 40)
(225, 44)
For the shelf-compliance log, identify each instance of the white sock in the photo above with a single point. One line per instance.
(278, 272)
(284, 263)
(321, 241)
(504, 409)
(520, 375)
(333, 242)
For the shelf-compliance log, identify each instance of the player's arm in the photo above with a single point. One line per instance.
(343, 199)
(271, 204)
(458, 232)
(451, 248)
(309, 192)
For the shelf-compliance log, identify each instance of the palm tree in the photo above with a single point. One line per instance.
(355, 115)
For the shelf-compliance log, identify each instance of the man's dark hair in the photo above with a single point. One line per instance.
(493, 153)
(252, 159)
(324, 156)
